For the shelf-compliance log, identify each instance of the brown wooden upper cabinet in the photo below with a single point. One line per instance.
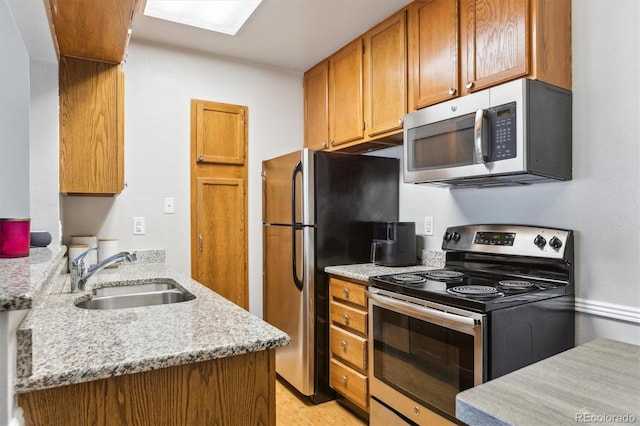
(501, 40)
(355, 100)
(89, 29)
(460, 46)
(385, 76)
(316, 107)
(433, 52)
(346, 112)
(91, 127)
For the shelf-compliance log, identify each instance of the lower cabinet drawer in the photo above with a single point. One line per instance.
(350, 383)
(349, 347)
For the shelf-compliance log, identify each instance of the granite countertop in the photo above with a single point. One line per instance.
(598, 382)
(364, 271)
(22, 278)
(61, 344)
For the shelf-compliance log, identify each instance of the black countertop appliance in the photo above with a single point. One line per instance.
(394, 244)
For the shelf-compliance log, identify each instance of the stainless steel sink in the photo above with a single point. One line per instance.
(135, 294)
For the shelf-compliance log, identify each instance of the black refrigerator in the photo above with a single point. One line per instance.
(318, 210)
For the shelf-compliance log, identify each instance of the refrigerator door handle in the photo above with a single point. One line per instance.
(295, 226)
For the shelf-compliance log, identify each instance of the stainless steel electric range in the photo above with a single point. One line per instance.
(504, 300)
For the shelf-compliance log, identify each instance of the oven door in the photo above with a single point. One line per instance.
(422, 354)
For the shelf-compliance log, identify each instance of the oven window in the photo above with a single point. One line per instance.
(428, 363)
(447, 143)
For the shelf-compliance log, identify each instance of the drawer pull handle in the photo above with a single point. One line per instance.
(344, 380)
(343, 344)
(345, 317)
(346, 292)
(416, 410)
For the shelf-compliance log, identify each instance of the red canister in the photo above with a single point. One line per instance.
(14, 237)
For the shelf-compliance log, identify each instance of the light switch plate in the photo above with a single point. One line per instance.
(139, 227)
(428, 225)
(169, 205)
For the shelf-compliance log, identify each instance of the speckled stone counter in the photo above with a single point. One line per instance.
(22, 278)
(72, 345)
(598, 382)
(364, 271)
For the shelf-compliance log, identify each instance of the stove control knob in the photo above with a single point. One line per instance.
(447, 236)
(555, 242)
(539, 241)
(456, 236)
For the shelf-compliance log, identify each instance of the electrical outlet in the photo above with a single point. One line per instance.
(169, 205)
(428, 225)
(138, 226)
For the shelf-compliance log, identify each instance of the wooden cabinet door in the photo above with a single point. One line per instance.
(219, 198)
(221, 238)
(91, 127)
(433, 52)
(316, 107)
(385, 75)
(220, 134)
(494, 42)
(346, 122)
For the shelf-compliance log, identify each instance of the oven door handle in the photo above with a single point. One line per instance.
(423, 310)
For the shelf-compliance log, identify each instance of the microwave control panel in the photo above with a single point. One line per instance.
(503, 120)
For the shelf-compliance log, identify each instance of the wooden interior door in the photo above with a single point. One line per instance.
(219, 199)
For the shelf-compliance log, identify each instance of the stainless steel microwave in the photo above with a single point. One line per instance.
(513, 134)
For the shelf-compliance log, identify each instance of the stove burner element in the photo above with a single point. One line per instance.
(516, 285)
(444, 274)
(408, 279)
(478, 291)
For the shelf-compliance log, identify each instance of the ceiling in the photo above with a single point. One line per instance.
(291, 34)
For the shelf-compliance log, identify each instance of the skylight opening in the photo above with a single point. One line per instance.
(223, 16)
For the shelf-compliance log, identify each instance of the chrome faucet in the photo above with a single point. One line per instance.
(80, 273)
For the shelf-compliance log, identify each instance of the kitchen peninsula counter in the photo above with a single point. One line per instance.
(598, 382)
(61, 344)
(22, 278)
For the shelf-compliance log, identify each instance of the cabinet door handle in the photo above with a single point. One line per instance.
(469, 85)
(452, 91)
(200, 241)
(200, 158)
(401, 121)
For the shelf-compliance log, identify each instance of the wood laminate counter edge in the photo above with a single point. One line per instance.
(598, 382)
(71, 345)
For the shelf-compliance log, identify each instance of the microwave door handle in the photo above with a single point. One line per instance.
(481, 141)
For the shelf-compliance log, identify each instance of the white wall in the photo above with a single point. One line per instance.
(14, 119)
(160, 83)
(602, 201)
(43, 147)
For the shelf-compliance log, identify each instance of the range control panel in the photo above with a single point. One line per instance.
(515, 240)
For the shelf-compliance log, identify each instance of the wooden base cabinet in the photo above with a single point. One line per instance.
(348, 340)
(238, 390)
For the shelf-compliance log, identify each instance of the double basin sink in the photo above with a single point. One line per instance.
(134, 294)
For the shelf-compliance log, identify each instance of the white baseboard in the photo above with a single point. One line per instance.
(608, 310)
